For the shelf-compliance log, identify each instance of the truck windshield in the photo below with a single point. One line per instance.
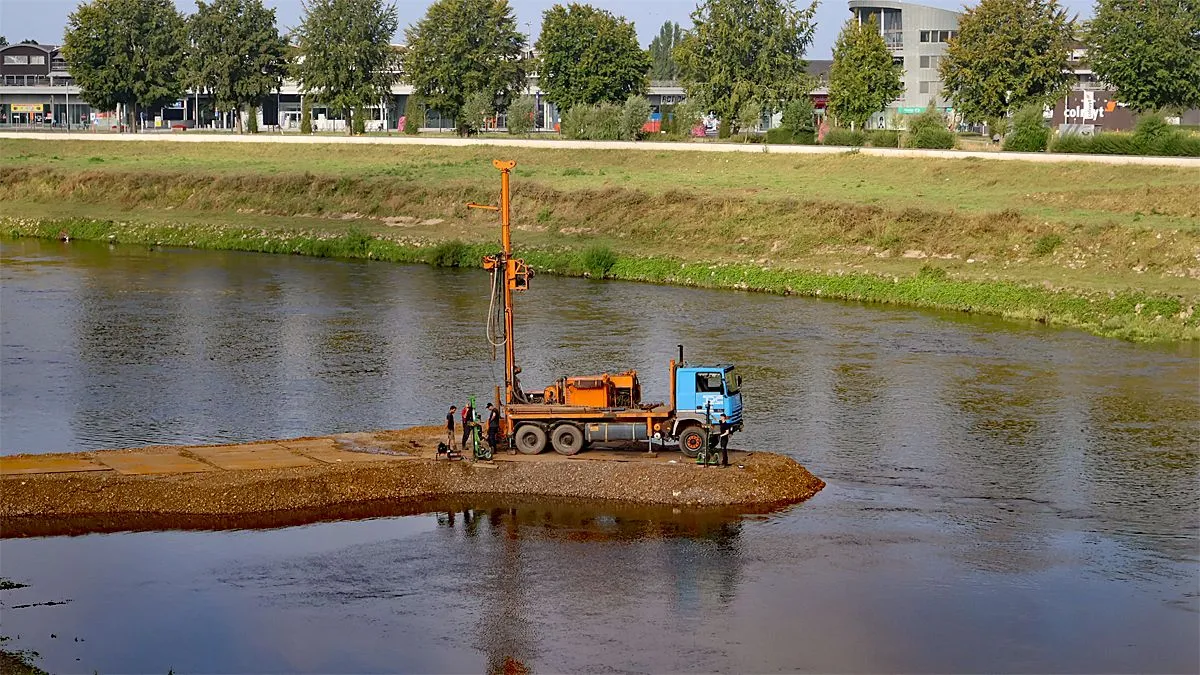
(733, 382)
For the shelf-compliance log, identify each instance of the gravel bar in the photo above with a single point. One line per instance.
(358, 475)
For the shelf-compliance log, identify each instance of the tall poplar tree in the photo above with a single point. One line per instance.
(863, 80)
(662, 52)
(126, 52)
(344, 54)
(235, 53)
(1149, 50)
(589, 56)
(462, 47)
(1008, 54)
(743, 51)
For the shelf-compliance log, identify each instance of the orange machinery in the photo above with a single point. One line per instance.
(581, 409)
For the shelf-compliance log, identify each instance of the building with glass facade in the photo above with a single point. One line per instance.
(917, 36)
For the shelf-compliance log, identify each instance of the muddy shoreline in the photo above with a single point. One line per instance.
(404, 477)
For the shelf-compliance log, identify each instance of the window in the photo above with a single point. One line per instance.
(930, 86)
(709, 383)
(930, 61)
(941, 36)
(16, 60)
(733, 380)
(37, 60)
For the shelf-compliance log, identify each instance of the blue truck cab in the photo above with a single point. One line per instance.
(715, 389)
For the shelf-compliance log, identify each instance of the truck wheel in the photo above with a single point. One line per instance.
(531, 439)
(691, 440)
(567, 439)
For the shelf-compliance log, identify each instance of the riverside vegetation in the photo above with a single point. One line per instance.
(1107, 249)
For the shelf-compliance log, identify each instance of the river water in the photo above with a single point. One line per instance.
(1001, 497)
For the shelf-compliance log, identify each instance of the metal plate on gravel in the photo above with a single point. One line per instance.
(137, 464)
(24, 465)
(251, 456)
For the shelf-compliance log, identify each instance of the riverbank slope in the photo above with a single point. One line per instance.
(1104, 248)
(308, 479)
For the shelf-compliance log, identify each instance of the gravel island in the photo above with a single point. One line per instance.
(273, 483)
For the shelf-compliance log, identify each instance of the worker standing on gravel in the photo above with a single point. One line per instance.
(725, 430)
(468, 421)
(493, 426)
(450, 428)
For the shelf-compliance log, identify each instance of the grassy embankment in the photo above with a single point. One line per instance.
(1107, 249)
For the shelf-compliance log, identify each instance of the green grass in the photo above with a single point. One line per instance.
(1089, 231)
(1130, 315)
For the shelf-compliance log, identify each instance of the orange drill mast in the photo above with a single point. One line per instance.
(516, 275)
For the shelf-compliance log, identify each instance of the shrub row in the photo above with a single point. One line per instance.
(607, 121)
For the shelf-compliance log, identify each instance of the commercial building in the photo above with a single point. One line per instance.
(917, 36)
(36, 88)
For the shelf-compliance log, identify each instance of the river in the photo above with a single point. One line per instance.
(1001, 497)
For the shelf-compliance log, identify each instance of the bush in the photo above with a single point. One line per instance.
(520, 117)
(747, 138)
(358, 124)
(414, 115)
(1116, 144)
(598, 261)
(634, 115)
(450, 254)
(780, 136)
(885, 139)
(932, 139)
(306, 119)
(573, 122)
(1045, 245)
(1071, 143)
(1029, 132)
(593, 123)
(252, 119)
(839, 136)
(1177, 144)
(1152, 128)
(928, 130)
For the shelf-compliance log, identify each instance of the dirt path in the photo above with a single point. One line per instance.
(308, 479)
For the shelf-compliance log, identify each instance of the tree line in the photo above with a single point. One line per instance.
(741, 59)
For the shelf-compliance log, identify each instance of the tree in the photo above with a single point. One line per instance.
(465, 46)
(798, 114)
(746, 50)
(662, 53)
(863, 80)
(235, 53)
(1149, 50)
(126, 52)
(521, 115)
(634, 115)
(305, 117)
(414, 115)
(1008, 54)
(588, 56)
(3, 41)
(478, 106)
(345, 58)
(28, 41)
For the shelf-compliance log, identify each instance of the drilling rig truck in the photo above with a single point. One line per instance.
(577, 411)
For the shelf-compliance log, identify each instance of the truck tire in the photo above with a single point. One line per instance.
(567, 439)
(530, 439)
(691, 440)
